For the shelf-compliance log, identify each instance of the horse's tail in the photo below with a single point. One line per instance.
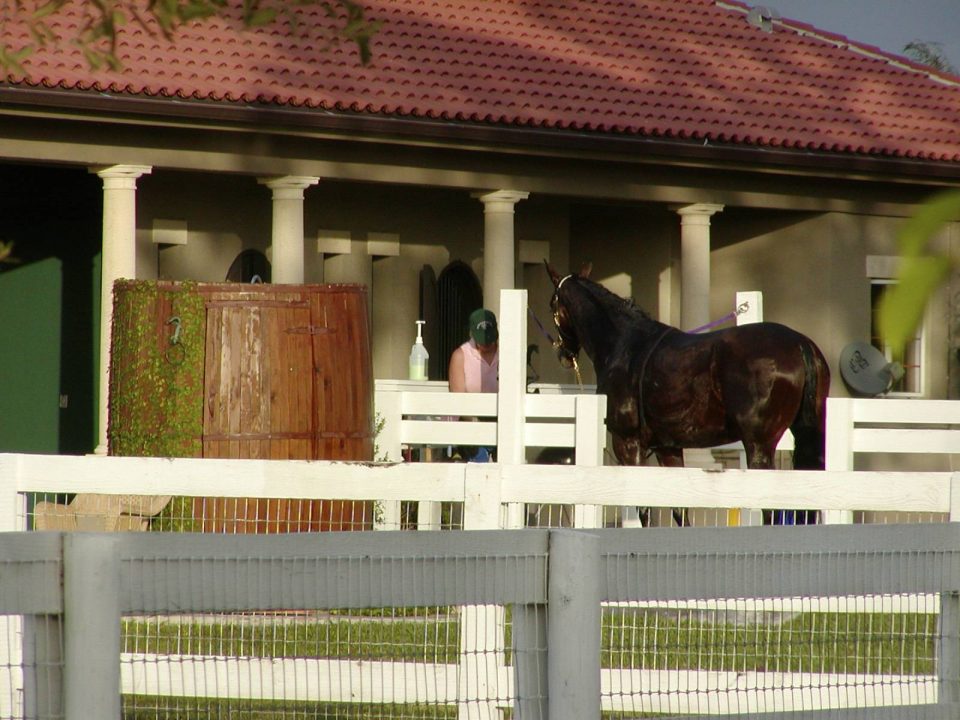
(809, 426)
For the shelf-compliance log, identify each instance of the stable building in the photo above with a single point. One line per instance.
(689, 149)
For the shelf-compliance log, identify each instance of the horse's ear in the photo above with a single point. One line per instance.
(585, 270)
(554, 276)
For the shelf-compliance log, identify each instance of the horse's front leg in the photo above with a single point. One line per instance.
(669, 457)
(760, 456)
(673, 457)
(629, 451)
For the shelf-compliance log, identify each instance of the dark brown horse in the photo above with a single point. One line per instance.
(668, 390)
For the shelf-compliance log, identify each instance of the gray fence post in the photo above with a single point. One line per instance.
(530, 661)
(948, 655)
(573, 632)
(42, 667)
(91, 626)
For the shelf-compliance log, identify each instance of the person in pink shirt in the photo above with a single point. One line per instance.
(474, 367)
(475, 364)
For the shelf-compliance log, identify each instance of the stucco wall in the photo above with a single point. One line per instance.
(811, 267)
(226, 214)
(812, 270)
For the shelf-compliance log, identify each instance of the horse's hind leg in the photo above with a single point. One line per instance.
(808, 447)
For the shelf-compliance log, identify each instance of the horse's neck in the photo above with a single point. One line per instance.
(601, 334)
(621, 338)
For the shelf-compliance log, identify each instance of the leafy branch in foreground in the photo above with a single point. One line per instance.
(104, 20)
(930, 54)
(921, 270)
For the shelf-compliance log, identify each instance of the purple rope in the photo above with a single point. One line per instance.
(726, 318)
(540, 325)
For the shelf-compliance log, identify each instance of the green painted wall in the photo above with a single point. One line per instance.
(30, 310)
(49, 309)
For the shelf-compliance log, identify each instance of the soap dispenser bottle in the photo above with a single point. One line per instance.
(419, 355)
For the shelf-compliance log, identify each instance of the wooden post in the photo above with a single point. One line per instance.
(481, 626)
(43, 667)
(388, 406)
(530, 661)
(511, 407)
(511, 401)
(12, 506)
(91, 626)
(590, 432)
(573, 633)
(838, 454)
(948, 652)
(955, 497)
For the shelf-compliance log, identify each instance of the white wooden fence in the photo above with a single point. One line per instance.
(494, 494)
(488, 492)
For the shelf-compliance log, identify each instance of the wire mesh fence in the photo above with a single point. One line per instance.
(395, 663)
(748, 656)
(699, 622)
(98, 512)
(356, 658)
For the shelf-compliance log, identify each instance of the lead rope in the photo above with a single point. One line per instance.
(576, 370)
(732, 315)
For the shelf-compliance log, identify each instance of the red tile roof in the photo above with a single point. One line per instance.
(688, 70)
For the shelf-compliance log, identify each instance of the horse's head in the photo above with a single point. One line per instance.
(567, 343)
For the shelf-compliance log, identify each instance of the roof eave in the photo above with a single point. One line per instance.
(520, 139)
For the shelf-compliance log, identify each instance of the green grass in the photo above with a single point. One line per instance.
(632, 638)
(859, 643)
(431, 637)
(809, 642)
(147, 707)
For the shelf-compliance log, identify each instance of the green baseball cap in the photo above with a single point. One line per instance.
(483, 327)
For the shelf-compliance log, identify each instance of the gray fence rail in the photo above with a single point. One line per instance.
(73, 590)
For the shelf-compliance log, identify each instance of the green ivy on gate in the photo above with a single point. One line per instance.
(156, 369)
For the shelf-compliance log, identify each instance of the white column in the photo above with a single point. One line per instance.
(499, 251)
(287, 238)
(118, 260)
(695, 263)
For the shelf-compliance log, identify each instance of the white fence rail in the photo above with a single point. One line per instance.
(484, 489)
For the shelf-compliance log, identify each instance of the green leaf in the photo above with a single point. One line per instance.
(261, 17)
(47, 9)
(901, 307)
(928, 220)
(196, 10)
(93, 58)
(13, 60)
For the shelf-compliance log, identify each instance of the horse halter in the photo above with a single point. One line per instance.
(559, 345)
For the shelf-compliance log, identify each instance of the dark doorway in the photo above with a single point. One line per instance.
(458, 294)
(249, 266)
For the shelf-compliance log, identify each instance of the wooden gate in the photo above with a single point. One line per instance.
(288, 375)
(285, 373)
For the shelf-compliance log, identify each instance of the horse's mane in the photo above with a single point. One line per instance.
(612, 302)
